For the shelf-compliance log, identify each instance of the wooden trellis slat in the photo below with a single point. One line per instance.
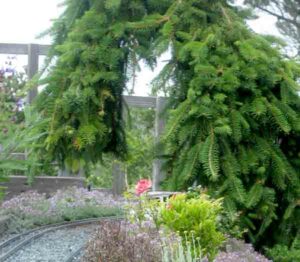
(22, 49)
(140, 101)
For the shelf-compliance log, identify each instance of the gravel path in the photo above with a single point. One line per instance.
(56, 246)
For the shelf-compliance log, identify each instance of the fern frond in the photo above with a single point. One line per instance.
(237, 189)
(176, 120)
(209, 157)
(279, 118)
(254, 195)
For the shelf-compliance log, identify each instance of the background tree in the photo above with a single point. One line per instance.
(140, 140)
(287, 13)
(11, 98)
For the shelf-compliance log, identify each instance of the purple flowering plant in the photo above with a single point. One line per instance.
(32, 209)
(239, 251)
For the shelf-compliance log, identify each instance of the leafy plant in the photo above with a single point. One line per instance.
(228, 222)
(25, 140)
(195, 220)
(17, 127)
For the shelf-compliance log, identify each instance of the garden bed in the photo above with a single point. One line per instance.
(32, 209)
(150, 231)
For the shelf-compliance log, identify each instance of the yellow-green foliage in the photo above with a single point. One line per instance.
(81, 104)
(195, 220)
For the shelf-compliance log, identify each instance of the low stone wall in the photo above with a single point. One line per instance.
(18, 184)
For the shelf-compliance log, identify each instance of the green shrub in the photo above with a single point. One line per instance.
(228, 223)
(196, 220)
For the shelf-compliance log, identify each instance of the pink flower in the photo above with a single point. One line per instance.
(142, 186)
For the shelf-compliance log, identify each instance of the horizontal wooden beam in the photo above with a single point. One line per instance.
(140, 101)
(44, 49)
(15, 49)
(21, 49)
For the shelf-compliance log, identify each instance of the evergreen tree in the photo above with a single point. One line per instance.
(96, 50)
(235, 126)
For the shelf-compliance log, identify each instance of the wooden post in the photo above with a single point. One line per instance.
(158, 175)
(32, 68)
(119, 184)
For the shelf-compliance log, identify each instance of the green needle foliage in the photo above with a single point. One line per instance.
(81, 104)
(82, 98)
(235, 128)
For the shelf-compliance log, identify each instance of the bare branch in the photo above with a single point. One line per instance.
(280, 17)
